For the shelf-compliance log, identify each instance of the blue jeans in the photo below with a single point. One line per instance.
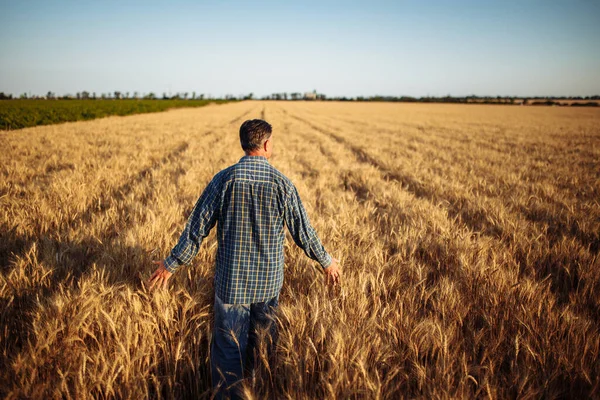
(235, 342)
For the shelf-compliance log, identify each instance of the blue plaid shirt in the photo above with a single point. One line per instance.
(251, 200)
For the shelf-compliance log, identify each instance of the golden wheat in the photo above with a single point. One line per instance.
(469, 240)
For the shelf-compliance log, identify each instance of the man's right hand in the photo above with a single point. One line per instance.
(160, 277)
(332, 273)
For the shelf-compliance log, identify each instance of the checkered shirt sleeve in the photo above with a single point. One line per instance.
(304, 235)
(201, 221)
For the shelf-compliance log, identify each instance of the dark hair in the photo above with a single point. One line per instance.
(253, 133)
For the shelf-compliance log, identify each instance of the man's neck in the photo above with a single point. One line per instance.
(256, 153)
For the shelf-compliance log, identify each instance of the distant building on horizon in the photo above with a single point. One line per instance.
(310, 95)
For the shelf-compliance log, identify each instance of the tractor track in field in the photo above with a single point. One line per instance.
(460, 211)
(442, 257)
(127, 187)
(240, 117)
(15, 245)
(457, 206)
(123, 190)
(557, 225)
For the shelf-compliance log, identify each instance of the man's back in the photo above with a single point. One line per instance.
(249, 265)
(251, 201)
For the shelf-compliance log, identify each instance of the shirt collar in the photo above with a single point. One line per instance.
(254, 158)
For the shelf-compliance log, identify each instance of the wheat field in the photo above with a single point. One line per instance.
(468, 237)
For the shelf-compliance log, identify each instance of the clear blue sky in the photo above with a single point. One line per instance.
(525, 47)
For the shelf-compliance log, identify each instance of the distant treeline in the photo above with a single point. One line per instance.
(589, 101)
(576, 101)
(17, 114)
(546, 101)
(117, 95)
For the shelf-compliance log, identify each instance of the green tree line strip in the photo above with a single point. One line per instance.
(18, 114)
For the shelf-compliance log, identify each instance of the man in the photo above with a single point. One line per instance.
(251, 201)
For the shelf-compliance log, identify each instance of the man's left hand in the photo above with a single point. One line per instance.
(160, 277)
(332, 273)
